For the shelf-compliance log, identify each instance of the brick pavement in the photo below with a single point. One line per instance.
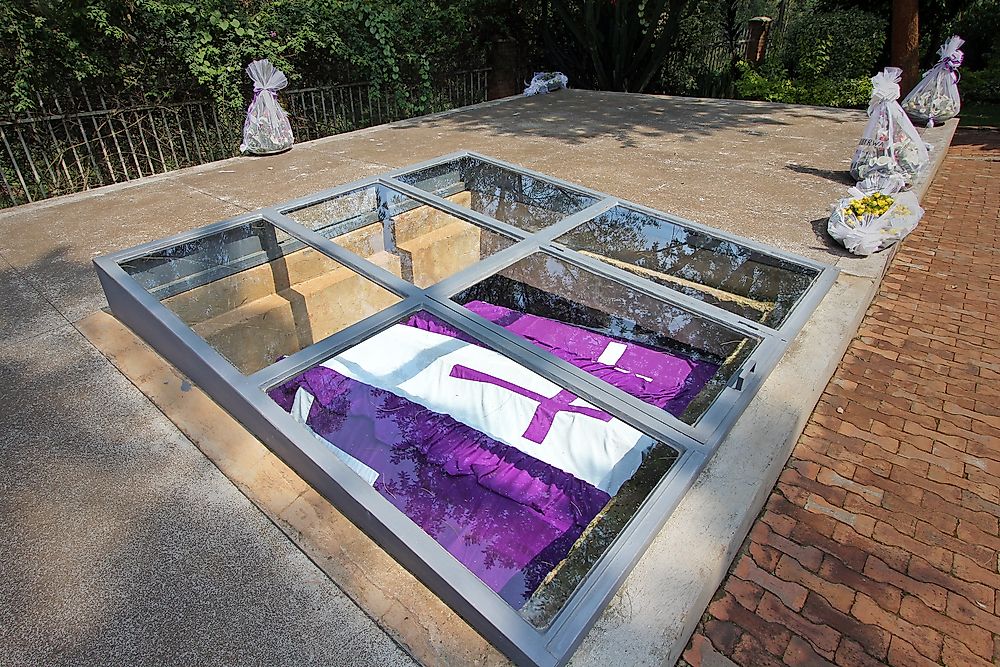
(879, 544)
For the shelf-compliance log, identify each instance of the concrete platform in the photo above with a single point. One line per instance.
(129, 546)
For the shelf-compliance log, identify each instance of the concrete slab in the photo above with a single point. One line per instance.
(51, 244)
(763, 170)
(24, 312)
(252, 182)
(124, 545)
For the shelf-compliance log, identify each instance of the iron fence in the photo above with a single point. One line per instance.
(710, 70)
(82, 141)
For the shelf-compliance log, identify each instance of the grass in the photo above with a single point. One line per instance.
(980, 114)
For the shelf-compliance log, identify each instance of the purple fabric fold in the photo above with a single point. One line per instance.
(504, 514)
(659, 378)
(499, 511)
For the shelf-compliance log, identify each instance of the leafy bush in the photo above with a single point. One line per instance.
(981, 86)
(773, 84)
(826, 59)
(842, 44)
(166, 46)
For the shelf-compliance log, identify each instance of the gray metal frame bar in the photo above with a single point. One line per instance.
(454, 209)
(244, 396)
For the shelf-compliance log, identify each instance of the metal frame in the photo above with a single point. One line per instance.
(245, 399)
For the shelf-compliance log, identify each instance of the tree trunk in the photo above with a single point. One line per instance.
(906, 42)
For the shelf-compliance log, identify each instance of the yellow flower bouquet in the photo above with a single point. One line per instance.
(868, 222)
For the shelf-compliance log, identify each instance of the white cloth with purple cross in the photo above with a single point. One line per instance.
(500, 398)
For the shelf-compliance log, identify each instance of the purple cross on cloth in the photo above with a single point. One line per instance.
(668, 381)
(545, 413)
(508, 517)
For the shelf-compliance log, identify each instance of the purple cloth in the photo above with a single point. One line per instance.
(673, 381)
(505, 515)
(547, 408)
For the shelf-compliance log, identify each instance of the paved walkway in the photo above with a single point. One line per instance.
(880, 543)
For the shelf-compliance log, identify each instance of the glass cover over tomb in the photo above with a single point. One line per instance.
(518, 355)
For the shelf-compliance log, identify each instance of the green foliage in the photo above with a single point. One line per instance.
(975, 20)
(773, 84)
(385, 45)
(212, 40)
(163, 47)
(979, 26)
(838, 44)
(981, 86)
(38, 37)
(709, 47)
(826, 59)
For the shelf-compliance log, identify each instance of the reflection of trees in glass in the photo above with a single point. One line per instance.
(328, 217)
(457, 511)
(508, 196)
(660, 246)
(520, 200)
(550, 597)
(548, 287)
(401, 439)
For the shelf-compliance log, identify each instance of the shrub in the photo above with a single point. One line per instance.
(165, 46)
(981, 86)
(826, 59)
(773, 84)
(842, 44)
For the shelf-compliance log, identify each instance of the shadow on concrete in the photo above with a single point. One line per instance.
(836, 175)
(24, 309)
(56, 281)
(825, 241)
(576, 118)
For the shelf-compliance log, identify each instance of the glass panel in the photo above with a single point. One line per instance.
(744, 281)
(663, 355)
(517, 199)
(256, 294)
(512, 474)
(417, 242)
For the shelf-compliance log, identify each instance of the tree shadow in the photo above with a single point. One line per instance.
(977, 140)
(24, 308)
(840, 176)
(575, 117)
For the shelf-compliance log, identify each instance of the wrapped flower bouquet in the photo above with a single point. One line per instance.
(267, 129)
(868, 222)
(890, 144)
(546, 82)
(935, 97)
